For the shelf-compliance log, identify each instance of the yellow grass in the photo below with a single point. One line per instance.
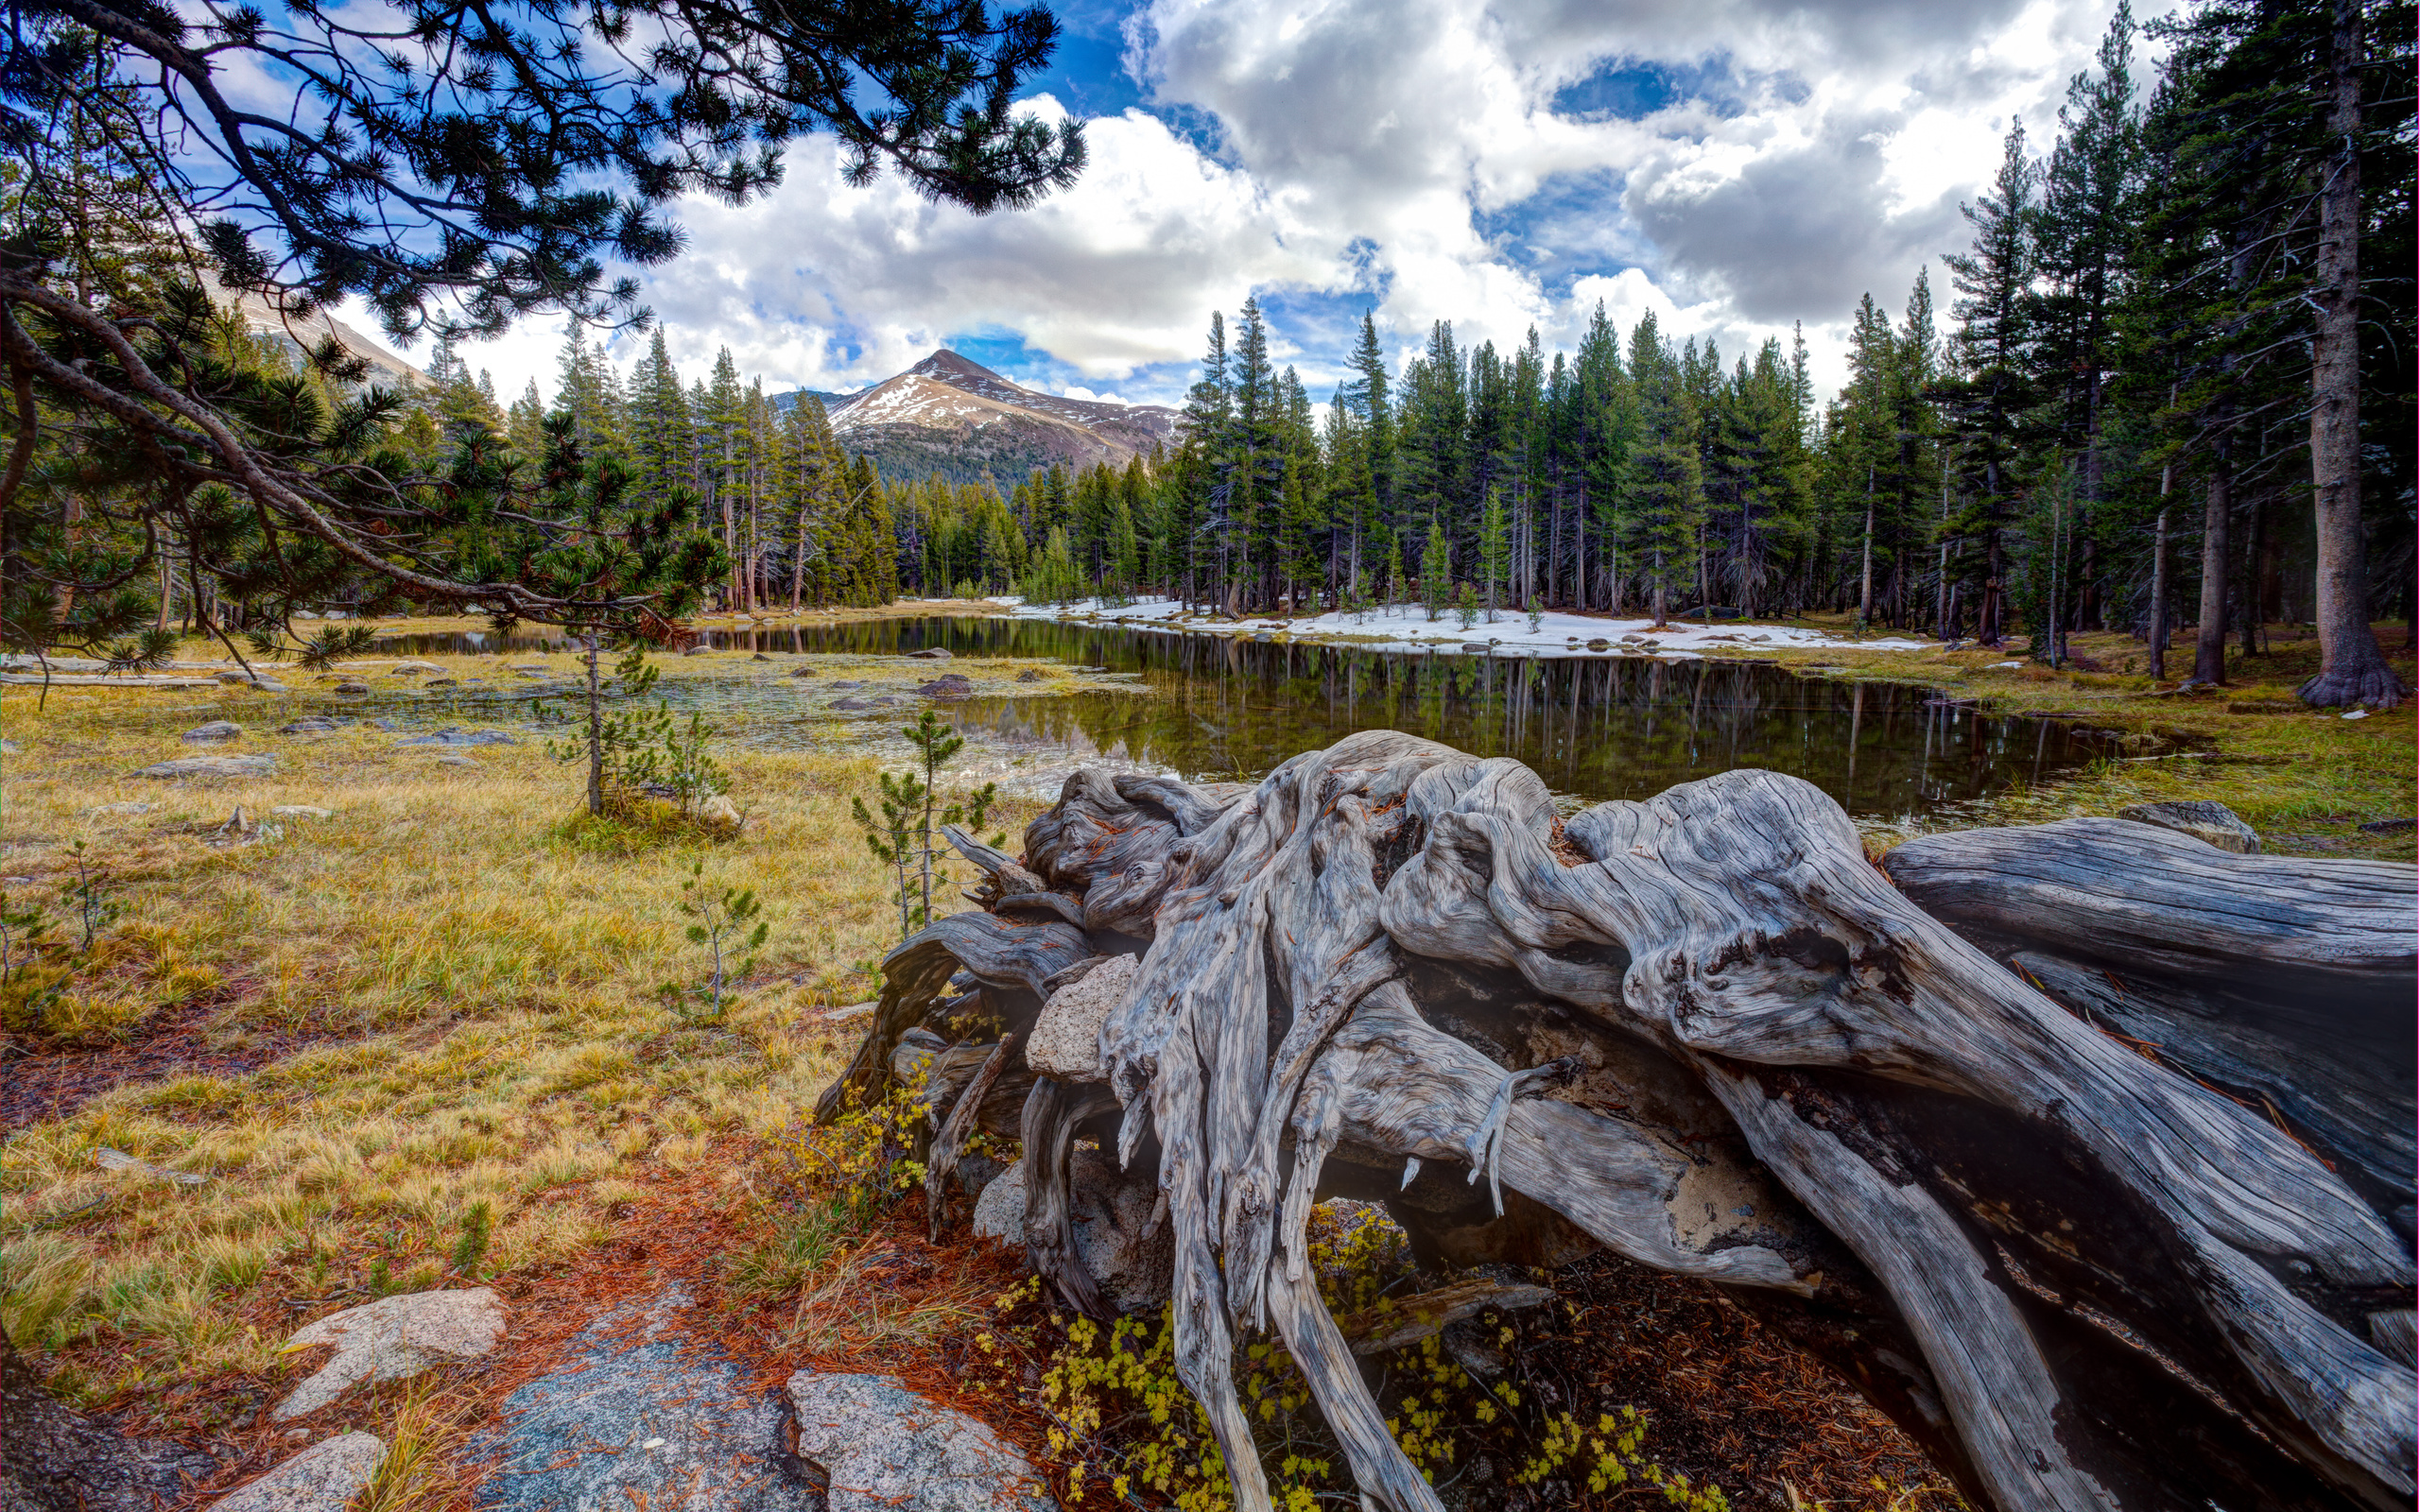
(447, 992)
(2305, 779)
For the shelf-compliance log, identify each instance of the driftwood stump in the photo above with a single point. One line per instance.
(1706, 1032)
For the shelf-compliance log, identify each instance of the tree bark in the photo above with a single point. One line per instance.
(1706, 1032)
(2352, 669)
(2210, 637)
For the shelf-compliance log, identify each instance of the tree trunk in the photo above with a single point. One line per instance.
(2158, 630)
(2210, 638)
(1706, 1032)
(2351, 670)
(1865, 559)
(596, 731)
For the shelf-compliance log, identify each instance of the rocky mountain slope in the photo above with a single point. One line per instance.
(957, 418)
(295, 336)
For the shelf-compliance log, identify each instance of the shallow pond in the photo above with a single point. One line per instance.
(1594, 728)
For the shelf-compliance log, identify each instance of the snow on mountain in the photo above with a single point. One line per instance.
(957, 418)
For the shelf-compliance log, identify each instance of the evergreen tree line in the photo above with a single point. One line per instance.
(2123, 428)
(2115, 431)
(800, 521)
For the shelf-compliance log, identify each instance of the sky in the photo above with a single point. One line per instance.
(1734, 166)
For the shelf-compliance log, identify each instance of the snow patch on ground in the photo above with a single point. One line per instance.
(1408, 628)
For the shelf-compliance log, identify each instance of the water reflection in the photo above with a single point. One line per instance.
(1598, 727)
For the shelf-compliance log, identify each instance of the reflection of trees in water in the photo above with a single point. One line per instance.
(1612, 728)
(1616, 727)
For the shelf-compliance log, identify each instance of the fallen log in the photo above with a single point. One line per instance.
(2288, 983)
(1706, 1032)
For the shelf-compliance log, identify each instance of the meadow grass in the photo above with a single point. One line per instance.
(442, 995)
(2307, 779)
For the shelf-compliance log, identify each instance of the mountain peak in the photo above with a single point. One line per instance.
(945, 364)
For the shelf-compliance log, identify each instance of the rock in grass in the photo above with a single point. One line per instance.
(217, 730)
(642, 1414)
(802, 672)
(435, 683)
(456, 761)
(932, 653)
(302, 811)
(313, 725)
(416, 668)
(874, 1445)
(1030, 674)
(1067, 1035)
(392, 1339)
(352, 689)
(323, 1478)
(2210, 822)
(948, 685)
(210, 767)
(851, 703)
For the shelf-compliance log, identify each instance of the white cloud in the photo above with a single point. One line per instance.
(1410, 149)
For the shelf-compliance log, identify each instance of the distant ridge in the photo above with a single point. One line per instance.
(955, 416)
(295, 337)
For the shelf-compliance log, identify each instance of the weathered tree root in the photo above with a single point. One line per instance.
(1785, 1077)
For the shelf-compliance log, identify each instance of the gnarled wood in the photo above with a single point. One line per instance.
(2285, 981)
(963, 1116)
(2128, 1291)
(1052, 1110)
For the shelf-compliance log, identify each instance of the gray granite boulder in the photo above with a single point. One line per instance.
(392, 1339)
(1066, 1042)
(932, 653)
(870, 1444)
(217, 730)
(1132, 1258)
(642, 1413)
(210, 767)
(323, 1478)
(56, 1459)
(2210, 822)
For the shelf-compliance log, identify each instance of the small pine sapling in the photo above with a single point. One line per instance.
(621, 750)
(912, 817)
(692, 775)
(892, 839)
(724, 920)
(95, 910)
(1465, 607)
(471, 1245)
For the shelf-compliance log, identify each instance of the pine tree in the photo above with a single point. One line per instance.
(1493, 548)
(1989, 391)
(1436, 571)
